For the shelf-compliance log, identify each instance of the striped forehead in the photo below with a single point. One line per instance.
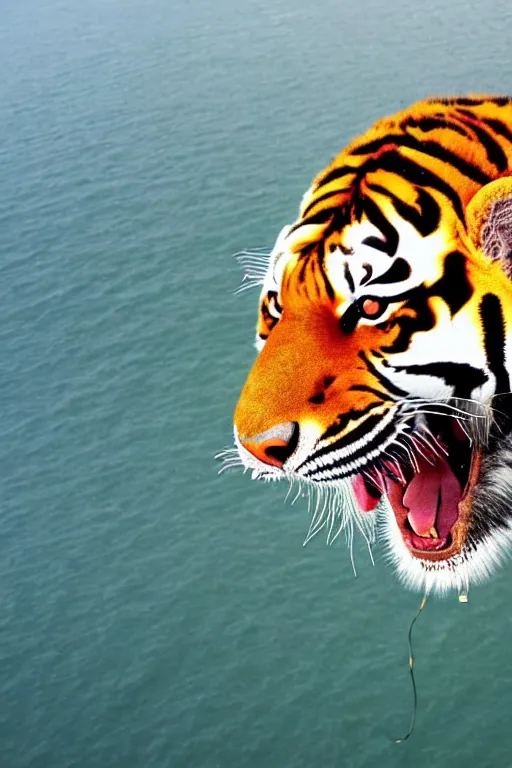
(382, 263)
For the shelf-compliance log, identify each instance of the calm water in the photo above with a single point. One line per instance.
(152, 613)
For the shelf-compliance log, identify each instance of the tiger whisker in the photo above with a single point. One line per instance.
(437, 413)
(484, 406)
(248, 286)
(463, 427)
(256, 251)
(425, 431)
(314, 520)
(426, 456)
(257, 258)
(229, 466)
(314, 528)
(226, 452)
(372, 477)
(350, 543)
(340, 528)
(289, 490)
(297, 494)
(395, 466)
(253, 270)
(434, 404)
(409, 452)
(370, 552)
(332, 517)
(253, 275)
(432, 444)
(312, 533)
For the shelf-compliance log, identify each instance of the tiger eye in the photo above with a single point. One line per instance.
(370, 307)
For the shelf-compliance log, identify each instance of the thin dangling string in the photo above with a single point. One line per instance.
(411, 670)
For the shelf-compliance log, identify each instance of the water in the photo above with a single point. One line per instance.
(152, 613)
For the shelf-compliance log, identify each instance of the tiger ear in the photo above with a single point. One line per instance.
(489, 221)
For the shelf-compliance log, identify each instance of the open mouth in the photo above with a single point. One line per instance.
(429, 486)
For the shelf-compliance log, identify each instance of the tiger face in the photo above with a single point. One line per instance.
(384, 342)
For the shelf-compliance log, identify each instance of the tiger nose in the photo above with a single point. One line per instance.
(275, 445)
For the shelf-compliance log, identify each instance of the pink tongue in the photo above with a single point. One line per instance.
(432, 498)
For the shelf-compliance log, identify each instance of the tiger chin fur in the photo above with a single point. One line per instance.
(384, 340)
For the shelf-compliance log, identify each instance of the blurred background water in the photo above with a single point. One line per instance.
(153, 613)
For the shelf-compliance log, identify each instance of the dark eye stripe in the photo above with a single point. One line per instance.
(350, 319)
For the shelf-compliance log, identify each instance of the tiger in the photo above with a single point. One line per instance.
(384, 343)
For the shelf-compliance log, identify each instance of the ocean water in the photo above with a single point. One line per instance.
(153, 613)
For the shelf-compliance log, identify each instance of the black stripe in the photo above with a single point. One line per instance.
(426, 220)
(372, 391)
(362, 429)
(465, 101)
(498, 127)
(473, 101)
(316, 279)
(377, 218)
(269, 319)
(408, 325)
(501, 101)
(431, 148)
(349, 278)
(322, 198)
(359, 454)
(427, 124)
(495, 153)
(398, 271)
(368, 273)
(321, 266)
(308, 248)
(430, 213)
(462, 376)
(322, 217)
(392, 389)
(273, 295)
(337, 173)
(356, 203)
(454, 286)
(493, 324)
(378, 244)
(343, 420)
(303, 266)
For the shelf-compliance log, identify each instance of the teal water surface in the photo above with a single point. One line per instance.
(153, 613)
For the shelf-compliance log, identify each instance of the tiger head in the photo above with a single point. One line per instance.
(384, 342)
